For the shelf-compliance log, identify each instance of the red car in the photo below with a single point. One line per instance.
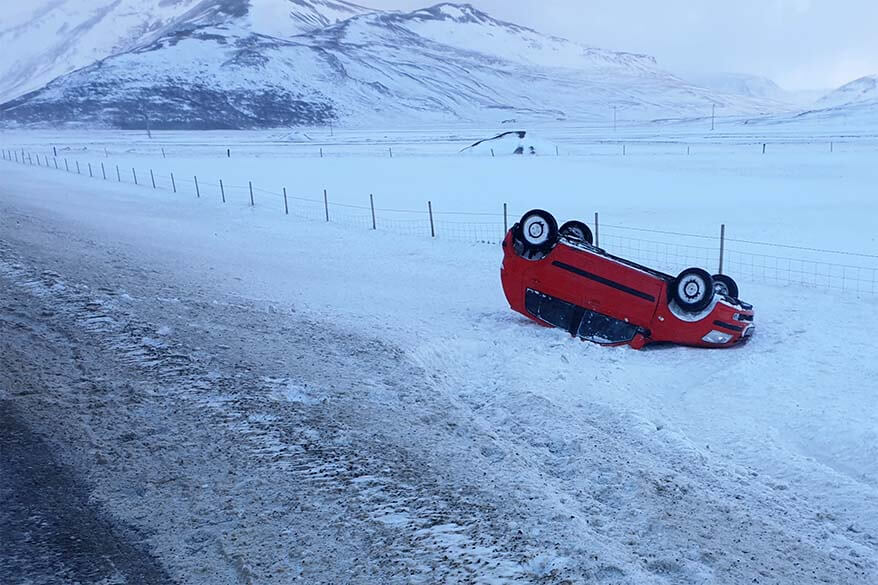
(559, 278)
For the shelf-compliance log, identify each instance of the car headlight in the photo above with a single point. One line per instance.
(717, 337)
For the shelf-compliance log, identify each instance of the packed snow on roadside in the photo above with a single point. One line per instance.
(377, 381)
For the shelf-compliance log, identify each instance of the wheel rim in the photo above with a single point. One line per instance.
(720, 288)
(692, 289)
(536, 230)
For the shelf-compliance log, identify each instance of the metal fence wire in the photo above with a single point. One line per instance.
(669, 251)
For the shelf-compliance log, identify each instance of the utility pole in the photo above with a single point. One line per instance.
(713, 117)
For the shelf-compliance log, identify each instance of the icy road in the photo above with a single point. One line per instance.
(200, 394)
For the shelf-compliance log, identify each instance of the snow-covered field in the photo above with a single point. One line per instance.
(662, 202)
(268, 398)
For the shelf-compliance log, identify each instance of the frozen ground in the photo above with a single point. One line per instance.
(264, 398)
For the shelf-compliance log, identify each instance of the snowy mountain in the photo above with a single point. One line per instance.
(230, 64)
(859, 91)
(55, 37)
(275, 18)
(742, 84)
(853, 105)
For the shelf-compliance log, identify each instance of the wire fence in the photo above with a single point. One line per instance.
(578, 146)
(669, 251)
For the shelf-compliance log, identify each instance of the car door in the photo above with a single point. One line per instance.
(604, 285)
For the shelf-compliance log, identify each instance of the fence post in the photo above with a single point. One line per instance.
(89, 171)
(78, 172)
(430, 211)
(16, 155)
(624, 150)
(252, 204)
(321, 152)
(134, 173)
(118, 174)
(372, 205)
(492, 153)
(39, 164)
(390, 149)
(152, 178)
(557, 152)
(106, 153)
(326, 204)
(286, 207)
(222, 191)
(103, 170)
(687, 150)
(66, 166)
(54, 151)
(597, 230)
(197, 190)
(505, 221)
(722, 246)
(763, 148)
(46, 156)
(228, 153)
(163, 152)
(831, 147)
(173, 183)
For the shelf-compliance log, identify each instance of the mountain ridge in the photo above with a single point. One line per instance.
(858, 91)
(216, 66)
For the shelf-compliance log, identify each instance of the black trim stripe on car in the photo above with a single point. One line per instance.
(605, 281)
(728, 326)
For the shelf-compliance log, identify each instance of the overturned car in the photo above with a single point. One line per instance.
(559, 278)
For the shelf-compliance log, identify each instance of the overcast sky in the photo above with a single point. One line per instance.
(800, 44)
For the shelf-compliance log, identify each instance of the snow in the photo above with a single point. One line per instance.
(56, 37)
(410, 417)
(442, 63)
(864, 89)
(515, 142)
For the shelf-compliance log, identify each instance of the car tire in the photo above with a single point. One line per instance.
(693, 290)
(537, 231)
(725, 285)
(577, 230)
